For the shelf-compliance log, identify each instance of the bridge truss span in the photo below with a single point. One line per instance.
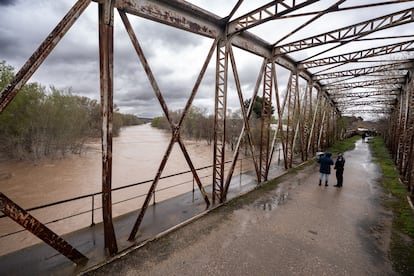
(307, 81)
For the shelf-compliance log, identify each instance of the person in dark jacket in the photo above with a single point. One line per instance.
(325, 162)
(339, 167)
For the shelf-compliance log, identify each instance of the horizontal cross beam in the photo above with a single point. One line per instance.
(350, 32)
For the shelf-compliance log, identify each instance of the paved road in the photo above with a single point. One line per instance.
(294, 228)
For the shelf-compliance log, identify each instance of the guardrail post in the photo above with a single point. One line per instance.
(93, 208)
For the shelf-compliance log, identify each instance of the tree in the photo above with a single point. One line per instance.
(257, 106)
(39, 123)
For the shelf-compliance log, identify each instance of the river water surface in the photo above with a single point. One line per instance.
(137, 153)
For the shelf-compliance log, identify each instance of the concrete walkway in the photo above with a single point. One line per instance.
(41, 259)
(294, 228)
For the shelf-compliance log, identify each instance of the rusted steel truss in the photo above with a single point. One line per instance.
(366, 94)
(383, 111)
(397, 67)
(19, 215)
(265, 123)
(220, 109)
(306, 115)
(400, 136)
(370, 102)
(41, 53)
(175, 137)
(345, 34)
(106, 58)
(265, 13)
(246, 126)
(358, 55)
(392, 82)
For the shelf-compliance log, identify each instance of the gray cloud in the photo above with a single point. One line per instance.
(175, 56)
(7, 2)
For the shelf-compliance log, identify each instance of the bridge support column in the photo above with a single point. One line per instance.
(106, 56)
(220, 109)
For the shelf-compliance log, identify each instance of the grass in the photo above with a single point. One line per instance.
(402, 240)
(344, 145)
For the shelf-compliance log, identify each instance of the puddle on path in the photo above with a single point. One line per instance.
(268, 204)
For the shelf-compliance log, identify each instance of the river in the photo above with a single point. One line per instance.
(137, 153)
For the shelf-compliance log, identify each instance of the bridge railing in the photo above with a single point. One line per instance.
(63, 209)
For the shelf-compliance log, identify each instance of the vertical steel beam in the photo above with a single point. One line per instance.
(265, 120)
(41, 53)
(407, 148)
(410, 167)
(311, 141)
(19, 215)
(297, 117)
(106, 55)
(302, 122)
(305, 120)
(292, 104)
(220, 107)
(405, 129)
(320, 120)
(280, 111)
(275, 135)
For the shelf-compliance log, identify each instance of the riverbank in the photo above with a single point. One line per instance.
(137, 153)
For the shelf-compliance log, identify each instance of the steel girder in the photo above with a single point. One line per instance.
(106, 56)
(30, 223)
(399, 67)
(400, 136)
(175, 128)
(345, 34)
(365, 94)
(314, 128)
(245, 131)
(406, 104)
(265, 122)
(270, 11)
(358, 55)
(41, 53)
(393, 82)
(220, 109)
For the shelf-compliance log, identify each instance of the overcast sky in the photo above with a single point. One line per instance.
(174, 56)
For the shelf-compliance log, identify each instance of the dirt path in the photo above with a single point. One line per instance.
(294, 228)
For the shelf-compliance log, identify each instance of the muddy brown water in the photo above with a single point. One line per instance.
(137, 153)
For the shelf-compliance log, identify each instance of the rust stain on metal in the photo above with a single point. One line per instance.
(19, 215)
(106, 31)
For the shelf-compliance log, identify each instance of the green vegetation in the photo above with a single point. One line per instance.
(344, 145)
(197, 124)
(39, 123)
(402, 240)
(257, 106)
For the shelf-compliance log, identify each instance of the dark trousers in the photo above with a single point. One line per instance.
(340, 176)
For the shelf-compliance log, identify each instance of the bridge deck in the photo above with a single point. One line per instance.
(297, 228)
(42, 259)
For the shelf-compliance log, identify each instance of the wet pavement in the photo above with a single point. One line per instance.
(41, 259)
(296, 228)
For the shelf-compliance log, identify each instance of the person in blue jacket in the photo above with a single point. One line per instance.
(325, 162)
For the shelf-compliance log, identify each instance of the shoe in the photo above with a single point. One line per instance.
(326, 184)
(320, 183)
(337, 186)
